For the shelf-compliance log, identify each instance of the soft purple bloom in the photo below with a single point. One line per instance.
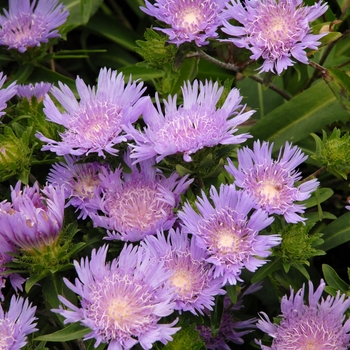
(6, 93)
(94, 124)
(139, 203)
(28, 24)
(227, 232)
(276, 31)
(81, 183)
(123, 300)
(196, 124)
(192, 276)
(38, 90)
(34, 218)
(16, 324)
(314, 325)
(272, 182)
(195, 20)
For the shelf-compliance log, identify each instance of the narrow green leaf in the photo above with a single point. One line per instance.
(319, 196)
(333, 280)
(72, 332)
(34, 278)
(266, 270)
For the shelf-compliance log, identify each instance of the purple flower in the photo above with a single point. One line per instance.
(190, 127)
(33, 219)
(16, 324)
(276, 31)
(230, 237)
(122, 301)
(192, 276)
(318, 325)
(81, 183)
(139, 203)
(272, 182)
(195, 20)
(30, 24)
(94, 124)
(6, 93)
(38, 90)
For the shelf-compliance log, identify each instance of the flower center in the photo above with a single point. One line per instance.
(182, 280)
(85, 186)
(269, 190)
(191, 17)
(120, 310)
(227, 241)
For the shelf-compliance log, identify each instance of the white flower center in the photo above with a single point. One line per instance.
(120, 310)
(191, 17)
(269, 190)
(227, 241)
(181, 279)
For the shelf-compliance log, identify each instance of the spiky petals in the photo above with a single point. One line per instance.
(227, 232)
(94, 124)
(316, 325)
(276, 31)
(28, 24)
(272, 182)
(190, 127)
(191, 275)
(38, 90)
(122, 301)
(195, 20)
(33, 219)
(139, 203)
(16, 324)
(81, 183)
(6, 93)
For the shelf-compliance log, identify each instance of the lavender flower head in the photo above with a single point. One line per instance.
(16, 324)
(28, 24)
(33, 219)
(318, 325)
(38, 90)
(122, 301)
(190, 127)
(272, 182)
(6, 93)
(276, 31)
(192, 276)
(227, 232)
(94, 124)
(81, 183)
(139, 203)
(195, 20)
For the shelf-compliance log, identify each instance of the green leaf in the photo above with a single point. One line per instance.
(265, 270)
(232, 291)
(336, 233)
(34, 278)
(319, 196)
(294, 120)
(339, 82)
(333, 280)
(72, 332)
(186, 339)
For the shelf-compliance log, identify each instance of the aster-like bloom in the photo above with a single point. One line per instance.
(190, 127)
(29, 24)
(139, 203)
(316, 325)
(227, 232)
(6, 93)
(276, 31)
(94, 124)
(272, 182)
(33, 219)
(81, 183)
(192, 276)
(195, 20)
(16, 324)
(38, 90)
(122, 301)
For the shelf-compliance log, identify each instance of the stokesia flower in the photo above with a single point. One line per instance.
(38, 90)
(16, 324)
(190, 127)
(80, 181)
(276, 31)
(6, 93)
(272, 182)
(139, 203)
(94, 124)
(192, 276)
(195, 20)
(33, 219)
(314, 326)
(122, 301)
(227, 232)
(29, 24)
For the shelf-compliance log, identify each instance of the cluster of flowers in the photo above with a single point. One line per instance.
(177, 260)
